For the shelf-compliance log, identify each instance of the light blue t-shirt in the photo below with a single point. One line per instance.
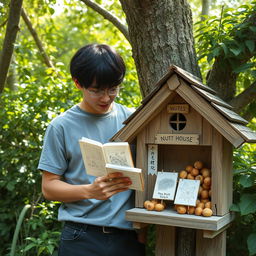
(61, 155)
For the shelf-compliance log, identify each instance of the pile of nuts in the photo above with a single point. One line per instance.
(203, 203)
(155, 205)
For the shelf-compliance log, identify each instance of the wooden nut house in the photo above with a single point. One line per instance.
(183, 121)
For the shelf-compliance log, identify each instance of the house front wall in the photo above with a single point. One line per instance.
(211, 148)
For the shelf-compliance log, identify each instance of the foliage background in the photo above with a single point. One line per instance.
(42, 93)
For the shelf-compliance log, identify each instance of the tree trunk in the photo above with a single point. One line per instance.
(160, 33)
(9, 40)
(205, 7)
(11, 81)
(223, 79)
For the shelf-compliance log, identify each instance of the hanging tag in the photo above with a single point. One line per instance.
(152, 159)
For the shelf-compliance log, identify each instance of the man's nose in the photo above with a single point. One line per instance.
(105, 96)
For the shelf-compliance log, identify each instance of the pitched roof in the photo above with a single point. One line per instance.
(202, 98)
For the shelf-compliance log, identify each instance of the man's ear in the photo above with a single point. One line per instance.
(78, 86)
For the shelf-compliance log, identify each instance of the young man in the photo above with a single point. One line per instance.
(93, 209)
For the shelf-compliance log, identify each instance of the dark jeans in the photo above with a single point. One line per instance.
(82, 240)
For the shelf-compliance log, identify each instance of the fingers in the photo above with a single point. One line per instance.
(109, 177)
(118, 183)
(106, 186)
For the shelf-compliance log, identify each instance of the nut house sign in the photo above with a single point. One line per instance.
(182, 122)
(192, 139)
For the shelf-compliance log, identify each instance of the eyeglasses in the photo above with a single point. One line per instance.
(97, 93)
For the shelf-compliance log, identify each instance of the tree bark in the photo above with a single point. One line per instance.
(160, 34)
(222, 79)
(245, 98)
(9, 40)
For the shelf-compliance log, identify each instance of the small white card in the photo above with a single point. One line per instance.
(152, 159)
(187, 192)
(165, 186)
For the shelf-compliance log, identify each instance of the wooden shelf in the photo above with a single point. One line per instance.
(172, 218)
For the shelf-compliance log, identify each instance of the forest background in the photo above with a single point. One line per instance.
(38, 88)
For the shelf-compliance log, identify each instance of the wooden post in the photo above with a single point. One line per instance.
(210, 246)
(165, 240)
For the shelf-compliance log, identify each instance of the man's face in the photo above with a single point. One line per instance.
(95, 100)
(99, 101)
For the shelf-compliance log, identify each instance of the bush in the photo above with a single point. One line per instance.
(24, 116)
(244, 203)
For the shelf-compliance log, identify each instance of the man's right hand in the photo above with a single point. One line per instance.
(102, 188)
(106, 186)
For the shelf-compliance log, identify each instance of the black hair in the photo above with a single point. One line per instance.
(97, 62)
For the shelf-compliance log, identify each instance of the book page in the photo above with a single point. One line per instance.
(135, 174)
(118, 153)
(187, 192)
(93, 157)
(166, 183)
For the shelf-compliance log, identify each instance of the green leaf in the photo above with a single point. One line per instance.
(210, 57)
(40, 250)
(50, 248)
(29, 246)
(216, 51)
(244, 67)
(251, 244)
(246, 181)
(247, 204)
(236, 51)
(52, 11)
(250, 45)
(253, 29)
(225, 49)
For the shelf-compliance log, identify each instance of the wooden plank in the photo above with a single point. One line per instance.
(248, 134)
(231, 115)
(141, 162)
(138, 225)
(209, 113)
(206, 138)
(221, 174)
(153, 127)
(165, 241)
(173, 82)
(210, 247)
(212, 234)
(193, 123)
(172, 218)
(212, 98)
(146, 114)
(193, 79)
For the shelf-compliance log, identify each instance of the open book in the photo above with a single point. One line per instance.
(101, 159)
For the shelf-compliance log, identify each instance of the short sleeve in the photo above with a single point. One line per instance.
(53, 156)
